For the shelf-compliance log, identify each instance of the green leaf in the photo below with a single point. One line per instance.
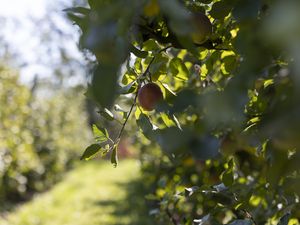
(204, 146)
(171, 139)
(80, 10)
(178, 69)
(90, 151)
(77, 19)
(150, 45)
(137, 52)
(284, 220)
(100, 134)
(114, 156)
(220, 9)
(107, 114)
(176, 122)
(227, 175)
(229, 63)
(166, 86)
(144, 124)
(241, 222)
(138, 65)
(203, 221)
(129, 88)
(227, 178)
(118, 108)
(167, 121)
(190, 191)
(158, 66)
(104, 85)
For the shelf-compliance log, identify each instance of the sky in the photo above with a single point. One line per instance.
(32, 41)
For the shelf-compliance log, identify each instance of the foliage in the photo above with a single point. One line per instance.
(223, 146)
(39, 137)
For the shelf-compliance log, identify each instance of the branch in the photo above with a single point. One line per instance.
(249, 216)
(128, 115)
(174, 221)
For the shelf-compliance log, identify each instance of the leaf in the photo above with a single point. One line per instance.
(77, 19)
(178, 69)
(284, 220)
(220, 9)
(241, 222)
(190, 191)
(107, 114)
(144, 123)
(166, 86)
(129, 76)
(90, 151)
(77, 15)
(246, 10)
(220, 187)
(204, 146)
(114, 156)
(171, 139)
(158, 66)
(176, 122)
(118, 108)
(137, 52)
(150, 45)
(151, 9)
(104, 85)
(80, 10)
(100, 134)
(227, 175)
(177, 15)
(129, 88)
(229, 63)
(167, 121)
(203, 221)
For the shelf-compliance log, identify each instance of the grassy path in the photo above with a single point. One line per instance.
(92, 194)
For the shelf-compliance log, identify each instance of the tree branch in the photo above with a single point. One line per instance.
(174, 221)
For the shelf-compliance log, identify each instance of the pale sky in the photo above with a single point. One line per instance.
(25, 28)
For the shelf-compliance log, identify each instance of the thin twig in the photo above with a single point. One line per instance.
(127, 117)
(174, 221)
(152, 60)
(249, 216)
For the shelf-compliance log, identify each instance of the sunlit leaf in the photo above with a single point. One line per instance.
(100, 134)
(114, 156)
(90, 151)
(107, 114)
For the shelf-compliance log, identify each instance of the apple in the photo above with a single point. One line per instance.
(149, 95)
(202, 28)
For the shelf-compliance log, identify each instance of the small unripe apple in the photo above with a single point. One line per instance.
(149, 95)
(202, 28)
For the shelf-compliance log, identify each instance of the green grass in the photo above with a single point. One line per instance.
(93, 193)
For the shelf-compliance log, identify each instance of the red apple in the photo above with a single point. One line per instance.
(149, 95)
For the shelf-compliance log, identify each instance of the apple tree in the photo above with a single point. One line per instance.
(212, 86)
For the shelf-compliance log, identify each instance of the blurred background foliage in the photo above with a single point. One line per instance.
(223, 146)
(42, 132)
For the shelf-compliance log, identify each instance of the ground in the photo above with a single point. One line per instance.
(91, 194)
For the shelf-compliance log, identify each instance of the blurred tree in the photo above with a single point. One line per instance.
(40, 136)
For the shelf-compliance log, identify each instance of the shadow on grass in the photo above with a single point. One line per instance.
(134, 205)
